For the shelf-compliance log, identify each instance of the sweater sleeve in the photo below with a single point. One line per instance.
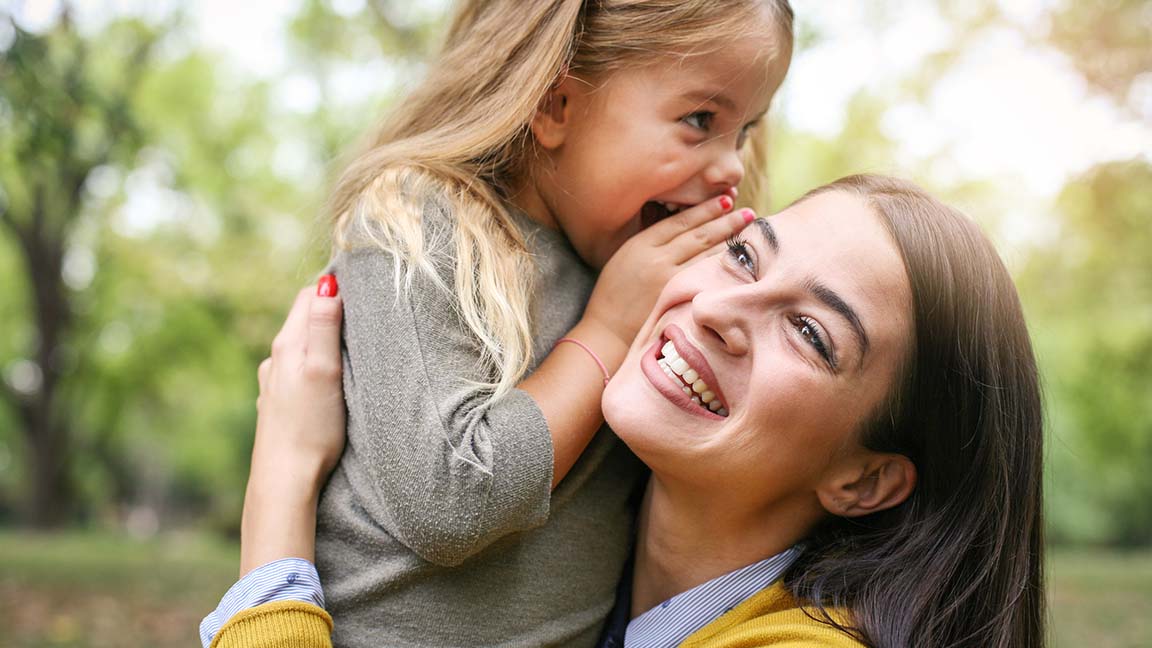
(285, 624)
(438, 466)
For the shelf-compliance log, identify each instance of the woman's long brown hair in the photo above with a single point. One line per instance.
(960, 563)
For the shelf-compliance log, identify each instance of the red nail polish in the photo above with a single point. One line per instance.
(748, 215)
(725, 203)
(327, 287)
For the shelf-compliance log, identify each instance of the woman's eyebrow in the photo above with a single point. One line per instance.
(832, 300)
(824, 294)
(769, 234)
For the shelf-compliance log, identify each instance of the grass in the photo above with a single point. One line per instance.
(95, 590)
(1100, 598)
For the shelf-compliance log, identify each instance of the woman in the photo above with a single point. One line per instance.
(842, 418)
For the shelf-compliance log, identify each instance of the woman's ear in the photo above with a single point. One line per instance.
(869, 482)
(553, 118)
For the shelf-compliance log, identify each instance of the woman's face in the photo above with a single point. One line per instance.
(796, 331)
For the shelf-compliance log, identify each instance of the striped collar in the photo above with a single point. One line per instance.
(674, 620)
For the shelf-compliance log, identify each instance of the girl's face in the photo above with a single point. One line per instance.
(665, 134)
(796, 334)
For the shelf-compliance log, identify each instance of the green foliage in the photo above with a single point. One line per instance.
(1090, 302)
(198, 195)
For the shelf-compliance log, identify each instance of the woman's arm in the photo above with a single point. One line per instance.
(299, 432)
(299, 438)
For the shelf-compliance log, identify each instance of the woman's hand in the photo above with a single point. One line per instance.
(299, 431)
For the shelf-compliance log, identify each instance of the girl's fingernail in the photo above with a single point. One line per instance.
(725, 203)
(748, 215)
(327, 287)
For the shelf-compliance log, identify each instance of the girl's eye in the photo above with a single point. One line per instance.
(811, 332)
(740, 253)
(701, 120)
(743, 136)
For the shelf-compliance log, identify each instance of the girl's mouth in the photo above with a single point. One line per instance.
(655, 211)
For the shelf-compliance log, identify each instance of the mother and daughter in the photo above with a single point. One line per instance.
(837, 406)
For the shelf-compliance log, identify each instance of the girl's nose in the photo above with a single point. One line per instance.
(726, 169)
(720, 317)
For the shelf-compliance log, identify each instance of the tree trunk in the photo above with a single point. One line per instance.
(51, 500)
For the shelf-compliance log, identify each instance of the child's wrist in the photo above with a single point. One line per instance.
(605, 343)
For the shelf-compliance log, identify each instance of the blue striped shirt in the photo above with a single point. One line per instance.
(676, 619)
(287, 579)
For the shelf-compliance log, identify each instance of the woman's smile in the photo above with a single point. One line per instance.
(679, 371)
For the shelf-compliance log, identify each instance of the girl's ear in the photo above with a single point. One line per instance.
(553, 117)
(869, 482)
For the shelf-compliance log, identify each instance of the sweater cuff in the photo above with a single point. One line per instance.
(287, 579)
(275, 625)
(522, 474)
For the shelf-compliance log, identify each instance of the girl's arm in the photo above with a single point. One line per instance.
(431, 461)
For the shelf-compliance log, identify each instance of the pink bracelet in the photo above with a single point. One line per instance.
(599, 363)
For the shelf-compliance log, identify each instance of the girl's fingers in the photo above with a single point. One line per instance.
(691, 218)
(706, 236)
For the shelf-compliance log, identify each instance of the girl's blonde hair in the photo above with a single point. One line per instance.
(461, 141)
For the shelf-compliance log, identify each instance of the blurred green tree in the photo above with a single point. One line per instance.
(1090, 305)
(177, 215)
(61, 121)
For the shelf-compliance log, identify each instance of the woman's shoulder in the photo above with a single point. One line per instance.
(772, 617)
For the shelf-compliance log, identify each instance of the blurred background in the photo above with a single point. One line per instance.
(162, 167)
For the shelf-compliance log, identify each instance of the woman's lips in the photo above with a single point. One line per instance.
(696, 359)
(674, 392)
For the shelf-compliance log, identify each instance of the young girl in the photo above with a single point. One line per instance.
(476, 502)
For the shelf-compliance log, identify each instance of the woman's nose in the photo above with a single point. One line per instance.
(721, 320)
(726, 169)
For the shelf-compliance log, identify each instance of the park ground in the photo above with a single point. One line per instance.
(93, 590)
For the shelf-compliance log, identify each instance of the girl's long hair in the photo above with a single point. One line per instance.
(960, 563)
(461, 142)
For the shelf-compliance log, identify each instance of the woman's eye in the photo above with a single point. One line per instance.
(740, 253)
(701, 120)
(810, 331)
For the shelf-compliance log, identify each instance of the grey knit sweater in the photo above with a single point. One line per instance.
(438, 527)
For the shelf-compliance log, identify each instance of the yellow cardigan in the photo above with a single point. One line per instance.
(770, 617)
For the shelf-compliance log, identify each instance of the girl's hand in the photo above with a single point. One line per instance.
(299, 431)
(633, 278)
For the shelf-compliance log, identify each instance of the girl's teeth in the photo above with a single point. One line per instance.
(691, 376)
(722, 412)
(669, 350)
(699, 387)
(714, 405)
(708, 397)
(679, 366)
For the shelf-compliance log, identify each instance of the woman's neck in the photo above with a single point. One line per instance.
(686, 540)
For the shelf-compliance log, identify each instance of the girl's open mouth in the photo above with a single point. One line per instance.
(655, 211)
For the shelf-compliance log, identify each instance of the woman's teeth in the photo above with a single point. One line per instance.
(678, 369)
(671, 207)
